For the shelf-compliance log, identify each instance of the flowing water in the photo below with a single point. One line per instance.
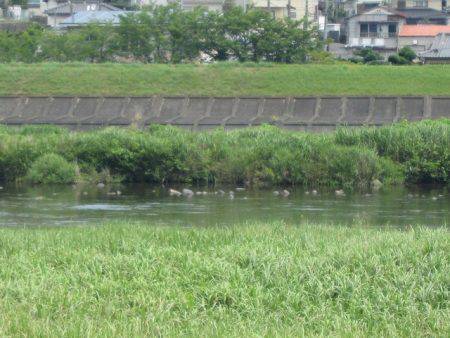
(65, 205)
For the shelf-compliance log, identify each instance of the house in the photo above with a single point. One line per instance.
(420, 37)
(295, 9)
(61, 12)
(377, 28)
(438, 5)
(83, 18)
(213, 5)
(353, 7)
(439, 52)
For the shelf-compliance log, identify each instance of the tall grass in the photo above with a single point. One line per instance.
(422, 148)
(136, 280)
(257, 156)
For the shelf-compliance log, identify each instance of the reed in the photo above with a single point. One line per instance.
(259, 156)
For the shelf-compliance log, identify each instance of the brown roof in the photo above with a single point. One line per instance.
(423, 30)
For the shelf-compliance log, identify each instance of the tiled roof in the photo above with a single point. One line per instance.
(423, 30)
(440, 48)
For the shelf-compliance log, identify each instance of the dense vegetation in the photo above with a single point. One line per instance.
(136, 280)
(415, 152)
(222, 79)
(167, 34)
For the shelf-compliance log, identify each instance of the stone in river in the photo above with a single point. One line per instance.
(173, 192)
(188, 192)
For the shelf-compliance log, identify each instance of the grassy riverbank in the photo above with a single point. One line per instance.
(222, 79)
(415, 152)
(250, 280)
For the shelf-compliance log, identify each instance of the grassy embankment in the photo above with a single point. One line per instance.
(136, 280)
(222, 79)
(411, 152)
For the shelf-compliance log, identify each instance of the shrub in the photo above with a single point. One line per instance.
(404, 57)
(407, 53)
(52, 168)
(396, 59)
(368, 55)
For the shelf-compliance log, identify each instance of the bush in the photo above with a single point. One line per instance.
(407, 53)
(368, 55)
(405, 57)
(52, 168)
(396, 59)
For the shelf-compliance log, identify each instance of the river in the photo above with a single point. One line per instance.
(66, 205)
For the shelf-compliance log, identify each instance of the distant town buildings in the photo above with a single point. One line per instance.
(384, 25)
(57, 11)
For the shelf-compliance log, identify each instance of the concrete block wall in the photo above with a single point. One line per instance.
(314, 113)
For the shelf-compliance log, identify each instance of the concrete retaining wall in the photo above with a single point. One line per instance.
(319, 113)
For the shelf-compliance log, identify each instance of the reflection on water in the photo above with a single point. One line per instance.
(62, 205)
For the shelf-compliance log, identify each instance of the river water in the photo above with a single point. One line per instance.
(66, 205)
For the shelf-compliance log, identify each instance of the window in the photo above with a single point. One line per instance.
(364, 30)
(420, 3)
(368, 30)
(373, 30)
(392, 30)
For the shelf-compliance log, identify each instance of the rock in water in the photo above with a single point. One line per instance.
(221, 192)
(187, 192)
(339, 192)
(100, 185)
(376, 184)
(285, 193)
(314, 192)
(276, 193)
(173, 192)
(240, 189)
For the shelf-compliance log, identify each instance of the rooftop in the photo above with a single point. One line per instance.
(65, 8)
(86, 17)
(440, 48)
(423, 30)
(421, 13)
